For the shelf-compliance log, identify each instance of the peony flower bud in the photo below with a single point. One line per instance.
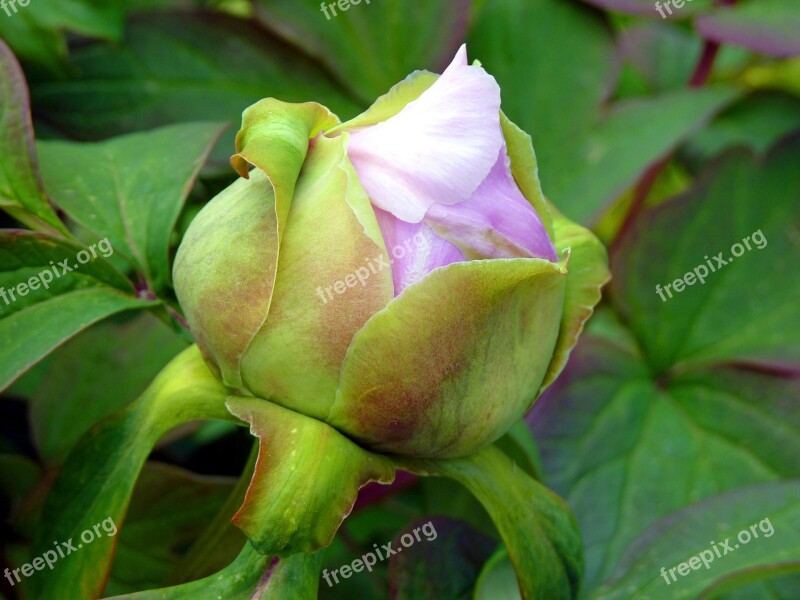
(395, 276)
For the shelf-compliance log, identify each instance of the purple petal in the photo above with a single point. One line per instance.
(437, 149)
(496, 222)
(414, 249)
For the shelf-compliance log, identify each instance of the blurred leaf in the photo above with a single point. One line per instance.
(757, 121)
(94, 375)
(537, 528)
(662, 54)
(36, 31)
(609, 158)
(775, 75)
(444, 566)
(766, 26)
(218, 65)
(647, 8)
(97, 479)
(371, 47)
(36, 322)
(744, 311)
(169, 508)
(21, 192)
(774, 510)
(497, 579)
(18, 475)
(771, 582)
(130, 189)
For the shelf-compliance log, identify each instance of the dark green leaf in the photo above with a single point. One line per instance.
(36, 321)
(437, 558)
(217, 67)
(371, 45)
(97, 480)
(94, 375)
(169, 509)
(536, 526)
(21, 191)
(742, 529)
(130, 189)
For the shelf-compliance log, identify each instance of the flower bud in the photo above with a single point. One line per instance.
(395, 276)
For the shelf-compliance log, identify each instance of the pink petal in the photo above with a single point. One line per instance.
(437, 149)
(414, 249)
(496, 222)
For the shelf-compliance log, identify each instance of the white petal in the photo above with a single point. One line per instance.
(438, 149)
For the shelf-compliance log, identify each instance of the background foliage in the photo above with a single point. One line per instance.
(676, 423)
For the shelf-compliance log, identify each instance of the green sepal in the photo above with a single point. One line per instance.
(306, 479)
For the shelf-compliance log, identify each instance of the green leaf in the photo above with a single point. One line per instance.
(618, 442)
(130, 189)
(766, 26)
(74, 390)
(306, 479)
(600, 165)
(36, 32)
(36, 319)
(169, 509)
(537, 528)
(18, 475)
(771, 582)
(497, 579)
(742, 529)
(217, 66)
(21, 192)
(97, 479)
(663, 55)
(744, 311)
(647, 8)
(370, 46)
(443, 561)
(757, 121)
